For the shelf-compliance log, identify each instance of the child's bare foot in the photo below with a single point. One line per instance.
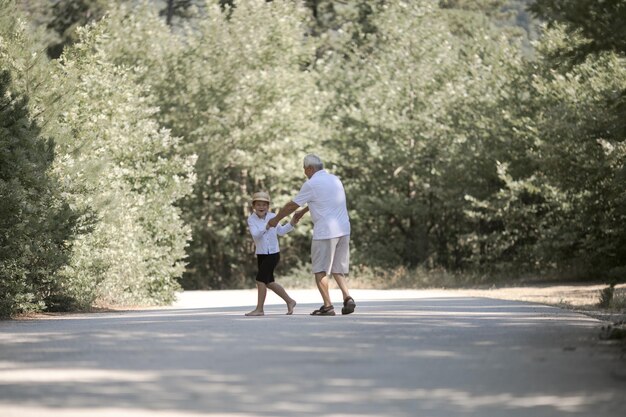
(255, 313)
(290, 305)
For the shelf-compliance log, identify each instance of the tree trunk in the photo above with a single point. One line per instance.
(170, 12)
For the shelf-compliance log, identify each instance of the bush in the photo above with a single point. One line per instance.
(122, 169)
(36, 224)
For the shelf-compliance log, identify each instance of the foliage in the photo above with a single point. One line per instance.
(119, 164)
(236, 87)
(36, 222)
(250, 127)
(115, 167)
(65, 16)
(569, 197)
(595, 26)
(460, 149)
(412, 120)
(582, 153)
(339, 25)
(606, 296)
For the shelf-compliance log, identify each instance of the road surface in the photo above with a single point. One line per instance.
(403, 353)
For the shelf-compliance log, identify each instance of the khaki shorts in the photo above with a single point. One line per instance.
(331, 255)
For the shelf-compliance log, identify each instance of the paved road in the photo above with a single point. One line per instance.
(401, 354)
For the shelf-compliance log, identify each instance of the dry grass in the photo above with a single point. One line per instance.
(578, 296)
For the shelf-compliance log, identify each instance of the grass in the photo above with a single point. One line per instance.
(363, 277)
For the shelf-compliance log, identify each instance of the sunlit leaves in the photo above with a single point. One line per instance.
(36, 223)
(416, 118)
(138, 244)
(235, 87)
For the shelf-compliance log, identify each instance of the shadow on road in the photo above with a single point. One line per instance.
(435, 357)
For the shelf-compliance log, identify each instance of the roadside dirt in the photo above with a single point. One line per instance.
(581, 298)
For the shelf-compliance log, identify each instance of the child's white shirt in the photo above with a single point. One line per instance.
(266, 240)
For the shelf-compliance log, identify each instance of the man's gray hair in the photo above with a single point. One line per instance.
(314, 161)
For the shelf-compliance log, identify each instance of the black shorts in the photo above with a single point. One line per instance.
(266, 264)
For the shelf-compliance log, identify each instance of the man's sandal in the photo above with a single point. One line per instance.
(324, 311)
(348, 306)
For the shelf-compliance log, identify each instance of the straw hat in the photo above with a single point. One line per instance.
(260, 196)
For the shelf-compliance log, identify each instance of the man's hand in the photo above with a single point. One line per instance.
(273, 222)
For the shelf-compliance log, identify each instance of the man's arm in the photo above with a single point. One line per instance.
(289, 208)
(298, 215)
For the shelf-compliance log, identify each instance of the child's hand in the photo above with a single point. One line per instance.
(273, 222)
(297, 216)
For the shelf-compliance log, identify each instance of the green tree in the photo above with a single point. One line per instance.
(114, 165)
(581, 129)
(64, 16)
(338, 24)
(593, 26)
(562, 204)
(416, 117)
(37, 226)
(120, 164)
(235, 86)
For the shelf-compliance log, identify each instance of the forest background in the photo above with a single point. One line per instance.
(478, 141)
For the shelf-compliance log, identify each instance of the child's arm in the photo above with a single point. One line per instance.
(288, 227)
(283, 229)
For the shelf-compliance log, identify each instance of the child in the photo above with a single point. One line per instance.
(267, 251)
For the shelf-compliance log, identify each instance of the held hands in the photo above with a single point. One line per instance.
(297, 216)
(273, 222)
(295, 219)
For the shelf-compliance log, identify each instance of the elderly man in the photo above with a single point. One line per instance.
(325, 198)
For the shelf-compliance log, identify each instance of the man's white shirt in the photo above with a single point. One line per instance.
(326, 198)
(266, 240)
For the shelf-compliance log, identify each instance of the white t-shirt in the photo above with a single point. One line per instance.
(266, 240)
(326, 198)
